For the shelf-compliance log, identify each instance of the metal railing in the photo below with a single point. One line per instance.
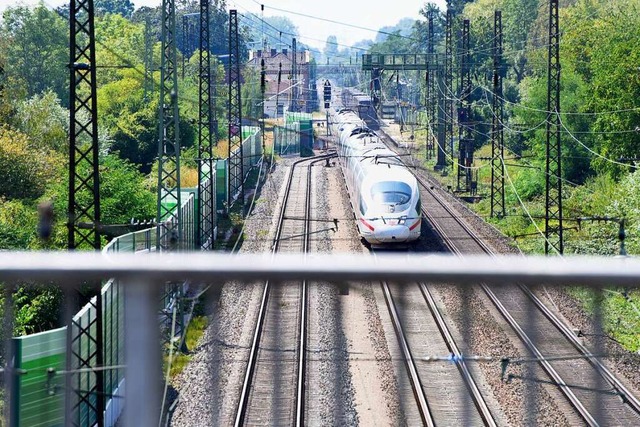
(143, 278)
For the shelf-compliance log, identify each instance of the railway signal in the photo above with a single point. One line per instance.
(327, 93)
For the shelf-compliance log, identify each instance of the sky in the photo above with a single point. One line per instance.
(316, 26)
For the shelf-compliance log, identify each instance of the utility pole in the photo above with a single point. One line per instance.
(448, 88)
(497, 137)
(553, 217)
(84, 208)
(206, 196)
(236, 175)
(188, 45)
(169, 218)
(432, 109)
(148, 59)
(294, 76)
(428, 145)
(263, 88)
(465, 139)
(169, 229)
(441, 162)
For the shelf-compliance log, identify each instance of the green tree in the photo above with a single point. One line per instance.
(119, 49)
(331, 48)
(18, 221)
(36, 309)
(37, 54)
(130, 120)
(123, 193)
(45, 121)
(121, 7)
(25, 170)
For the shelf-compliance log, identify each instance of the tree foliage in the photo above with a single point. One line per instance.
(44, 120)
(121, 7)
(25, 169)
(38, 50)
(36, 309)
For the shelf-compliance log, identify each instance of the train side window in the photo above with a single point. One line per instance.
(363, 207)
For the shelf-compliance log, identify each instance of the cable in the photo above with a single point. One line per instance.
(590, 150)
(169, 363)
(335, 22)
(524, 208)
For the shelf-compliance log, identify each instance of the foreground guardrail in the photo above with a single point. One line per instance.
(143, 278)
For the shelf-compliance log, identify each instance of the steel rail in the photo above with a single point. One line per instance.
(608, 376)
(253, 354)
(600, 368)
(418, 391)
(478, 399)
(623, 391)
(546, 365)
(302, 344)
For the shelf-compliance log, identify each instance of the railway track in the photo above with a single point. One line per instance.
(445, 393)
(556, 356)
(595, 394)
(273, 390)
(592, 390)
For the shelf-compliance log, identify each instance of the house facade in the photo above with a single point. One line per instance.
(280, 92)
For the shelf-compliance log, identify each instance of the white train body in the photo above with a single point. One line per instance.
(384, 194)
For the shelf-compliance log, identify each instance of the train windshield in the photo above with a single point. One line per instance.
(394, 192)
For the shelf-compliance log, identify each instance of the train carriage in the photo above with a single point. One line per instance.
(383, 192)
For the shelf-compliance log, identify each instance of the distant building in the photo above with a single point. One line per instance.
(278, 98)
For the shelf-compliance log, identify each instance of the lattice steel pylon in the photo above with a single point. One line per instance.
(236, 175)
(465, 140)
(431, 104)
(448, 87)
(206, 195)
(553, 217)
(295, 105)
(84, 208)
(169, 228)
(148, 58)
(497, 135)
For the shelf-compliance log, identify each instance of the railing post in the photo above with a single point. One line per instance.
(142, 353)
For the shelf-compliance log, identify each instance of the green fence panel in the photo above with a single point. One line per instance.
(221, 183)
(287, 139)
(40, 391)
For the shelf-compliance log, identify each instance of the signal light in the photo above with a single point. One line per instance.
(327, 92)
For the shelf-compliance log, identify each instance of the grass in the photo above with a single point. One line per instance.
(195, 331)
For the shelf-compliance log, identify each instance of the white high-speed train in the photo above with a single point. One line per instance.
(383, 193)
